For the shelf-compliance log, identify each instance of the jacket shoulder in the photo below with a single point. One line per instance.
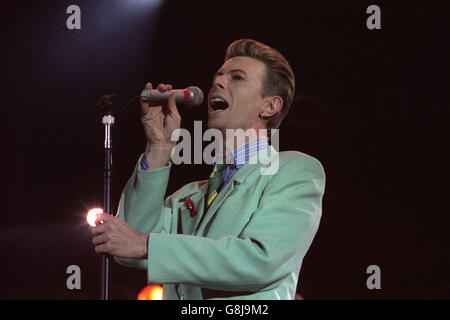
(299, 160)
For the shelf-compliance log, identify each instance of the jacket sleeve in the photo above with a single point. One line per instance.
(277, 236)
(141, 204)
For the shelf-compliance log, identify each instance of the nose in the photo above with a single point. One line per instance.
(219, 82)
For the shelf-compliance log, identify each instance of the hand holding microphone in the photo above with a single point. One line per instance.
(153, 107)
(159, 120)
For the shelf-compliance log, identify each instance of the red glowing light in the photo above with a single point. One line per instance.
(151, 292)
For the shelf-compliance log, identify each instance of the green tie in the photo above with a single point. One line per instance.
(214, 182)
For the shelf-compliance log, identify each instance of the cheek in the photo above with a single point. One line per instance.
(248, 101)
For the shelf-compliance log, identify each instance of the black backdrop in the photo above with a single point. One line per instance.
(371, 105)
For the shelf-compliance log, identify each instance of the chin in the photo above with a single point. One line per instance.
(215, 123)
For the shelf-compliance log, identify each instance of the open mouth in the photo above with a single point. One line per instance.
(218, 104)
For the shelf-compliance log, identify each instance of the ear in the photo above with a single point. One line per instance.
(272, 106)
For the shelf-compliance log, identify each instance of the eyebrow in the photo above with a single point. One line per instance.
(218, 73)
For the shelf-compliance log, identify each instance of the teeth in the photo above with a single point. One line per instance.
(217, 100)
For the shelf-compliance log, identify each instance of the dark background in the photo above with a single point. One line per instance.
(371, 105)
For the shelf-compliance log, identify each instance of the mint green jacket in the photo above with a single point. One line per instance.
(252, 240)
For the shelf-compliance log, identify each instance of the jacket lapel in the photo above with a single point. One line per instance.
(215, 205)
(198, 193)
(237, 179)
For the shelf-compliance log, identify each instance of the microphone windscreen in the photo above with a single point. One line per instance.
(195, 96)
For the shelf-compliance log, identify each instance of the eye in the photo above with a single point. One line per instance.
(237, 77)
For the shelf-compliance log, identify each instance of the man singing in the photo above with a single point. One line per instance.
(240, 234)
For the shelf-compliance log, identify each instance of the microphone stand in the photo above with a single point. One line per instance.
(108, 121)
(106, 103)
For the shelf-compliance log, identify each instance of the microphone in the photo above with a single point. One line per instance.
(191, 96)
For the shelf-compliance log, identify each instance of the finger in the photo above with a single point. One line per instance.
(98, 219)
(105, 217)
(103, 248)
(100, 239)
(164, 87)
(172, 106)
(99, 229)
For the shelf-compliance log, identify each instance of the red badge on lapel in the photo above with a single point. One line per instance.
(190, 205)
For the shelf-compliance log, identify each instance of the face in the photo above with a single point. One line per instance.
(235, 99)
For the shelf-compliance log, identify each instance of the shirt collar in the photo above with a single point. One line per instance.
(240, 155)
